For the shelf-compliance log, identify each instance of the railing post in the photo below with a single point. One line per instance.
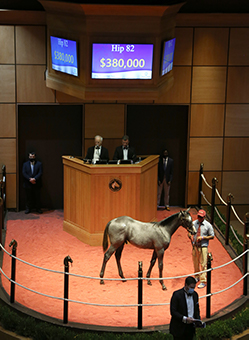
(245, 258)
(200, 185)
(214, 181)
(208, 301)
(67, 259)
(13, 244)
(140, 295)
(229, 199)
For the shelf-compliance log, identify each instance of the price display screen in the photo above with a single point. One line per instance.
(168, 56)
(64, 55)
(122, 61)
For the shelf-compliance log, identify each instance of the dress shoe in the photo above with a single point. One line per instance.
(27, 211)
(39, 211)
(167, 208)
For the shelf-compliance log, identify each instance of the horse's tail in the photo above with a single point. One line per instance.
(105, 237)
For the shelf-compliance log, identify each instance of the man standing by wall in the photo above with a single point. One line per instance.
(165, 176)
(32, 172)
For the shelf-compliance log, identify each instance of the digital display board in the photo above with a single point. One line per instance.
(64, 55)
(168, 56)
(122, 61)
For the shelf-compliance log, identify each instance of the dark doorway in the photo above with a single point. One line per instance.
(154, 127)
(51, 131)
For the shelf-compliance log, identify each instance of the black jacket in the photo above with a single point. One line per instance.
(178, 309)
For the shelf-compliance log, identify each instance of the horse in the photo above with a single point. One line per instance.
(150, 235)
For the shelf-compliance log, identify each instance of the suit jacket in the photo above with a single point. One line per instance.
(178, 309)
(104, 154)
(168, 171)
(27, 174)
(118, 154)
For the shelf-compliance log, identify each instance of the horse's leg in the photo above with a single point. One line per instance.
(160, 254)
(152, 263)
(118, 254)
(107, 256)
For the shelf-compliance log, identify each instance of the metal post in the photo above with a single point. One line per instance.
(214, 181)
(200, 185)
(229, 198)
(208, 301)
(67, 259)
(140, 296)
(245, 258)
(13, 244)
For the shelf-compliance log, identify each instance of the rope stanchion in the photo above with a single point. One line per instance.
(67, 259)
(245, 262)
(140, 296)
(200, 184)
(229, 202)
(13, 244)
(208, 301)
(214, 181)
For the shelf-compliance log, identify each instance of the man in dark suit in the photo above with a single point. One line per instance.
(32, 172)
(125, 151)
(184, 309)
(97, 152)
(165, 176)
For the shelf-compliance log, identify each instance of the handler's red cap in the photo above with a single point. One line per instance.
(201, 213)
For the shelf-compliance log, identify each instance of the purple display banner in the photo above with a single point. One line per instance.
(122, 61)
(168, 56)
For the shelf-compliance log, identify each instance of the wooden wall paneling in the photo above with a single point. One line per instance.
(8, 120)
(239, 46)
(7, 84)
(179, 93)
(31, 85)
(183, 46)
(236, 183)
(237, 120)
(208, 85)
(66, 98)
(210, 46)
(11, 191)
(207, 151)
(238, 85)
(31, 45)
(236, 154)
(193, 188)
(106, 120)
(8, 154)
(207, 120)
(7, 55)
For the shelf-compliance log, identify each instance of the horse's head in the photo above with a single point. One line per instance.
(186, 221)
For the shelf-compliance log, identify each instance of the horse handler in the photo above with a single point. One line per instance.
(200, 241)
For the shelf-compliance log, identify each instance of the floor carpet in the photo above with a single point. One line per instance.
(42, 242)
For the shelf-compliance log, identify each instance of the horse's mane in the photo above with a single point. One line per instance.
(167, 220)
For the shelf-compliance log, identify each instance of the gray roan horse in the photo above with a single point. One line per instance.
(149, 235)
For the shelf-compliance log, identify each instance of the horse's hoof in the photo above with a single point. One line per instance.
(149, 283)
(164, 287)
(102, 282)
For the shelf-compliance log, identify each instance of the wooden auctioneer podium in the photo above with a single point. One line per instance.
(95, 194)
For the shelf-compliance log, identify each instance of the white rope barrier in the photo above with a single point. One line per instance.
(203, 195)
(120, 305)
(221, 199)
(236, 215)
(205, 181)
(217, 211)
